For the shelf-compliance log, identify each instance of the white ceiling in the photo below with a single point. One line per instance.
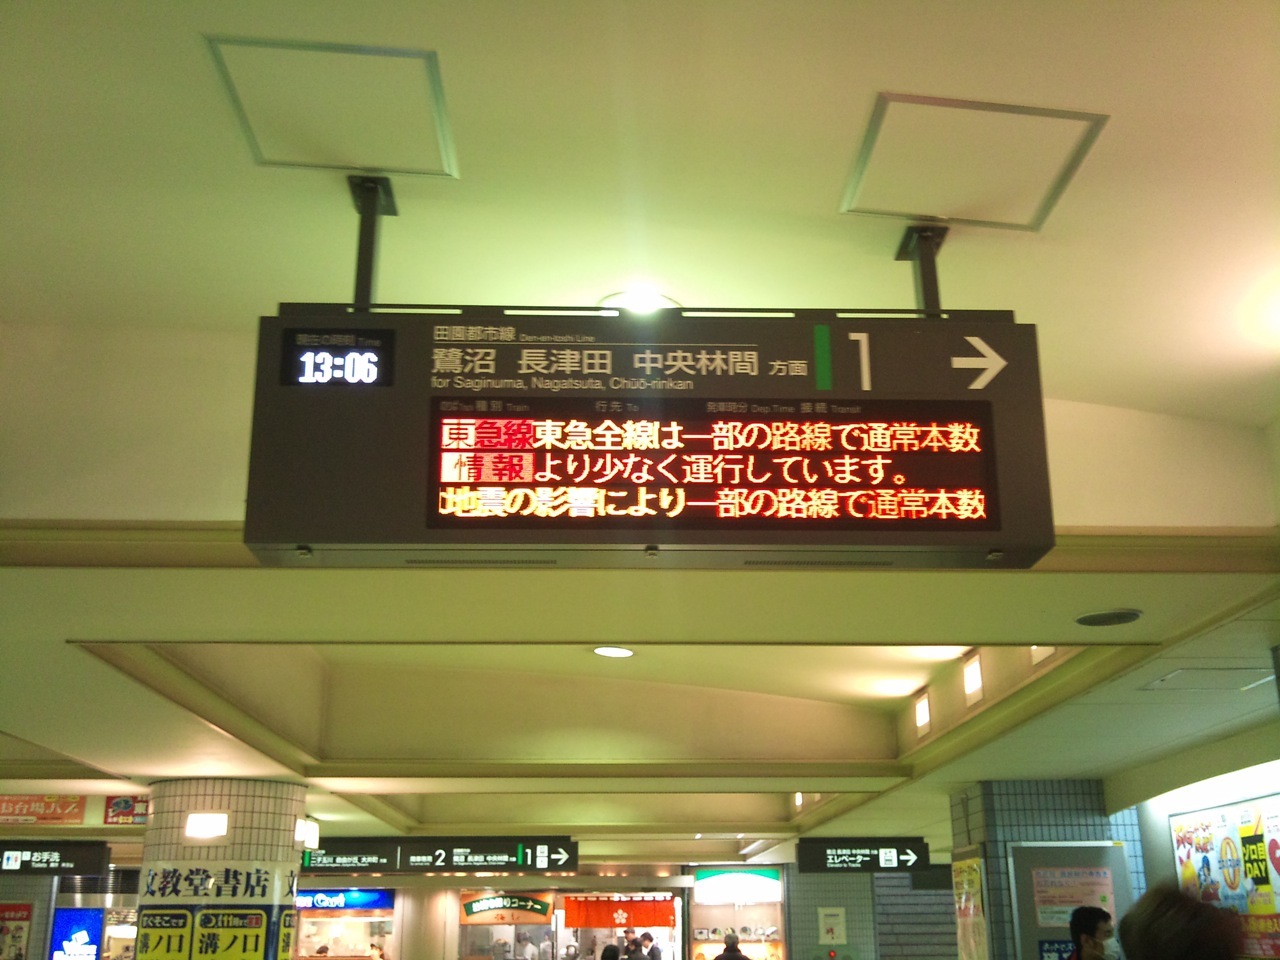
(706, 148)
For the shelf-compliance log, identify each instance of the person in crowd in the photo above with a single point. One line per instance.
(376, 952)
(546, 949)
(731, 951)
(1167, 924)
(635, 950)
(651, 949)
(610, 951)
(526, 949)
(1092, 935)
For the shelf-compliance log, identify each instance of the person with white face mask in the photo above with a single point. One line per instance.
(1093, 935)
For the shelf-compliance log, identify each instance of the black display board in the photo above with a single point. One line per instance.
(71, 858)
(532, 854)
(861, 854)
(685, 437)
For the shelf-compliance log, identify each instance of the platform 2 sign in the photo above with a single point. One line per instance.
(861, 854)
(479, 427)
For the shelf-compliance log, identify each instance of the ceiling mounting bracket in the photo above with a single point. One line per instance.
(920, 244)
(373, 199)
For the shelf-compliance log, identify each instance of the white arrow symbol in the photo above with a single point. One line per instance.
(561, 855)
(990, 362)
(910, 857)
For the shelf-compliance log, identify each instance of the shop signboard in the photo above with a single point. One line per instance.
(345, 899)
(684, 438)
(41, 809)
(488, 906)
(1229, 856)
(72, 858)
(861, 854)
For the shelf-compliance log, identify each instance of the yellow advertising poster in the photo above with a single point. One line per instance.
(1230, 856)
(284, 944)
(231, 933)
(971, 919)
(164, 933)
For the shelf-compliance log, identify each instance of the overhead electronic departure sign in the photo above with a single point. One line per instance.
(696, 438)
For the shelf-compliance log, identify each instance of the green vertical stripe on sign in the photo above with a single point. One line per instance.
(822, 357)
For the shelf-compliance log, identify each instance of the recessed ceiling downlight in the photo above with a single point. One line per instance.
(617, 653)
(1109, 618)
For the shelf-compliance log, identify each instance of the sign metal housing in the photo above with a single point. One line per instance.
(686, 438)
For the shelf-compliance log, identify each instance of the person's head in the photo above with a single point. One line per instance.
(1090, 929)
(646, 938)
(521, 937)
(629, 934)
(322, 950)
(634, 944)
(1167, 924)
(610, 952)
(731, 941)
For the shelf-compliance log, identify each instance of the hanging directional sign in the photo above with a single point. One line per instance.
(864, 854)
(483, 854)
(531, 854)
(70, 858)
(681, 438)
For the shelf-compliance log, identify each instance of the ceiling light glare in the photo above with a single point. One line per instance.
(639, 298)
(307, 832)
(206, 826)
(615, 653)
(973, 680)
(799, 799)
(922, 714)
(1260, 311)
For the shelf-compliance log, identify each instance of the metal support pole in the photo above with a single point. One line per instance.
(1275, 667)
(920, 245)
(373, 199)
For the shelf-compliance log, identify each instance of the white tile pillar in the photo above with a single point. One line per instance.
(226, 897)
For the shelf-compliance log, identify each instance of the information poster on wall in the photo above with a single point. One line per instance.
(1230, 856)
(1059, 890)
(971, 919)
(832, 929)
(15, 930)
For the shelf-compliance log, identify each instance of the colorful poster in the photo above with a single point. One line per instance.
(15, 930)
(971, 919)
(231, 933)
(1059, 890)
(125, 811)
(1230, 856)
(41, 809)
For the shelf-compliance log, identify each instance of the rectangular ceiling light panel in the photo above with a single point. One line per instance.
(996, 165)
(340, 107)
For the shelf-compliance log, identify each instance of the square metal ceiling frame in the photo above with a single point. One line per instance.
(435, 89)
(1094, 123)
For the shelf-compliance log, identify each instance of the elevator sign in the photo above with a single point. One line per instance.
(686, 436)
(861, 854)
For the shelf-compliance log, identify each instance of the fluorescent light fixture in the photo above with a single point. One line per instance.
(615, 652)
(973, 680)
(922, 714)
(307, 832)
(799, 799)
(121, 931)
(206, 826)
(639, 298)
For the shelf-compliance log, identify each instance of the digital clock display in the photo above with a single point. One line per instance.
(314, 357)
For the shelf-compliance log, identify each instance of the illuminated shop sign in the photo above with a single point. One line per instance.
(684, 436)
(76, 933)
(345, 900)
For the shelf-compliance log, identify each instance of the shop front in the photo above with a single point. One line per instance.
(747, 902)
(346, 923)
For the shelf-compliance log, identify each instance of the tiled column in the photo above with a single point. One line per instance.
(229, 897)
(994, 813)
